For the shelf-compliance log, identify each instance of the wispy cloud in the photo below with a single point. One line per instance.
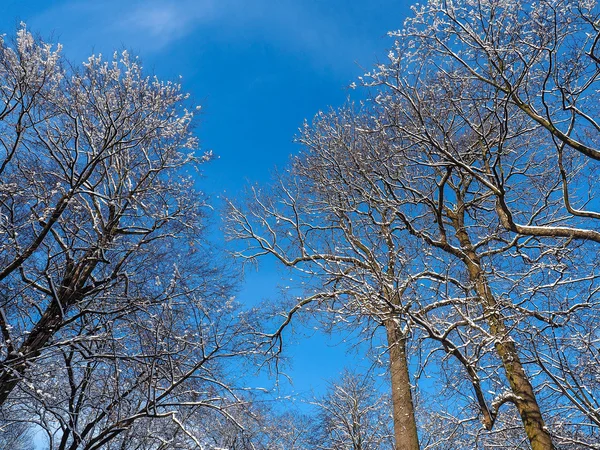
(154, 25)
(165, 22)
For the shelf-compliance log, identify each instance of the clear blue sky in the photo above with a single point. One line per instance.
(257, 67)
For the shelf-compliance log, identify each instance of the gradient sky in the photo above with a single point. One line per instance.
(257, 67)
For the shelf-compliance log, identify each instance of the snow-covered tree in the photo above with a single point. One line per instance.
(353, 415)
(114, 316)
(495, 106)
(347, 250)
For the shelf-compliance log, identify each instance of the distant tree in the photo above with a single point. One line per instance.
(262, 426)
(353, 415)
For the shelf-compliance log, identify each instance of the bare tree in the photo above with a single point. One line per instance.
(340, 217)
(263, 424)
(353, 415)
(15, 435)
(85, 187)
(486, 99)
(116, 322)
(347, 250)
(538, 64)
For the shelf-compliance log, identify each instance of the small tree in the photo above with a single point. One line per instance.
(353, 415)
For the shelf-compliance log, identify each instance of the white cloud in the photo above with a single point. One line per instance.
(154, 25)
(165, 22)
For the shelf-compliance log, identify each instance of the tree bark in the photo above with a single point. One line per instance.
(13, 367)
(405, 425)
(71, 291)
(525, 399)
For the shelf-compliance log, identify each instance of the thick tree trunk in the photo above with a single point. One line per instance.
(521, 387)
(405, 425)
(71, 291)
(525, 399)
(13, 367)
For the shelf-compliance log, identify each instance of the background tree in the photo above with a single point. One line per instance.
(353, 415)
(15, 435)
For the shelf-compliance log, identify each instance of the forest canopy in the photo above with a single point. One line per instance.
(447, 216)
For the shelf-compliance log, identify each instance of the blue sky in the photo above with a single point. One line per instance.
(257, 67)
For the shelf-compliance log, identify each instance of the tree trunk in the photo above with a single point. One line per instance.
(13, 367)
(525, 401)
(521, 387)
(72, 289)
(405, 425)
